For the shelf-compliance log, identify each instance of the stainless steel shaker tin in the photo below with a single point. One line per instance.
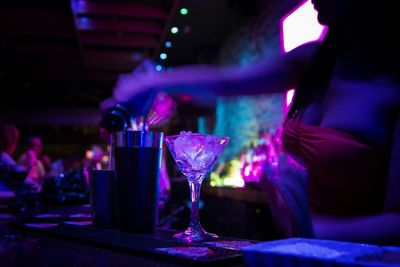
(130, 138)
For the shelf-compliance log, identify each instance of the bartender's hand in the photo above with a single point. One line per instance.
(143, 79)
(286, 185)
(129, 85)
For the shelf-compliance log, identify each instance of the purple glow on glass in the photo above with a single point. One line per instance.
(195, 155)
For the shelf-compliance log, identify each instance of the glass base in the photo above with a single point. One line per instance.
(193, 236)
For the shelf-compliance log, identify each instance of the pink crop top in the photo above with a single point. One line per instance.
(346, 177)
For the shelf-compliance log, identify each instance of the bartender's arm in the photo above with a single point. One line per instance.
(200, 83)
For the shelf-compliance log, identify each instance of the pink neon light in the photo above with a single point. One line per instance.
(301, 26)
(298, 27)
(289, 97)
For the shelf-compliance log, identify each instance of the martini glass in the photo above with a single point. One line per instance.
(195, 155)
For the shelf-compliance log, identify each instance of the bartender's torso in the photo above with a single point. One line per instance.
(364, 109)
(344, 137)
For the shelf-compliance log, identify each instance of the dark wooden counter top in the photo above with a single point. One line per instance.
(24, 247)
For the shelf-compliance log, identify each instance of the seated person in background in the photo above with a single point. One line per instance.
(344, 123)
(9, 137)
(31, 158)
(47, 163)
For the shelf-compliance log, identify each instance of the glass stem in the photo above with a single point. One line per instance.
(195, 197)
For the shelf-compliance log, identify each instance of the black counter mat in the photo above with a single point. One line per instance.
(141, 244)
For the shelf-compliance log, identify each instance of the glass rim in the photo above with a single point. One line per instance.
(196, 134)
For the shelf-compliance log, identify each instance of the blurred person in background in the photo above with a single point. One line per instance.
(343, 128)
(32, 157)
(9, 138)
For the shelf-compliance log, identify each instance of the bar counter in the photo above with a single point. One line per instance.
(18, 248)
(24, 246)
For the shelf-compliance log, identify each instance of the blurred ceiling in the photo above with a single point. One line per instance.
(68, 53)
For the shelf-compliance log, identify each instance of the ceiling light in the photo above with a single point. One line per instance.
(163, 56)
(184, 11)
(174, 30)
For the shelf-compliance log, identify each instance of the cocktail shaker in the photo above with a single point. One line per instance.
(102, 198)
(137, 156)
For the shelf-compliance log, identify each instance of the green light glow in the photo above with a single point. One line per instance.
(184, 11)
